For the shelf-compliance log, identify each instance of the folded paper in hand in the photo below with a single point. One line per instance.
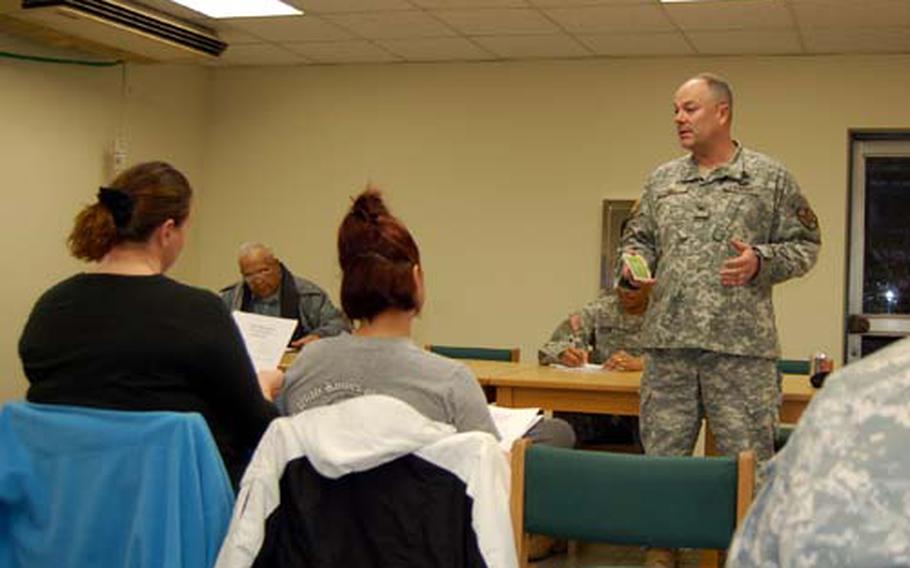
(513, 423)
(638, 266)
(265, 337)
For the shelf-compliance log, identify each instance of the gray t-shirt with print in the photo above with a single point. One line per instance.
(346, 366)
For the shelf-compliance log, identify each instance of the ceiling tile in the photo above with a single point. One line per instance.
(436, 49)
(626, 45)
(291, 28)
(856, 14)
(582, 3)
(533, 46)
(877, 40)
(341, 6)
(742, 14)
(619, 18)
(392, 25)
(234, 36)
(259, 54)
(498, 21)
(745, 42)
(342, 52)
(442, 4)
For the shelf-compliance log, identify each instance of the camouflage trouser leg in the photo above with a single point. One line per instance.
(741, 399)
(739, 396)
(670, 411)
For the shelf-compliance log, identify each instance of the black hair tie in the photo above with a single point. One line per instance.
(119, 203)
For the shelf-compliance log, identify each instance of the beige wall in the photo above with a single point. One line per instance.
(500, 169)
(58, 122)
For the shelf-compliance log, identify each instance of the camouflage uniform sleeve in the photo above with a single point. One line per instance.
(640, 235)
(324, 318)
(795, 236)
(840, 482)
(563, 337)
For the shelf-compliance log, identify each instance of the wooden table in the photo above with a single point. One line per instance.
(603, 392)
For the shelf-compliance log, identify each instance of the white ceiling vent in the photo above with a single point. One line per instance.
(147, 34)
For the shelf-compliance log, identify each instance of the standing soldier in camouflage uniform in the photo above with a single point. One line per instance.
(607, 332)
(718, 229)
(837, 494)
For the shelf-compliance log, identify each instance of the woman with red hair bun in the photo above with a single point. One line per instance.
(382, 289)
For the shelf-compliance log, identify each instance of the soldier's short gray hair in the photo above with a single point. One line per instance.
(719, 87)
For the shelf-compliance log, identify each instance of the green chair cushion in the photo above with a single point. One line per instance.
(668, 502)
(793, 366)
(483, 353)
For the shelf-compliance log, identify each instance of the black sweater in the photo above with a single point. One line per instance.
(145, 343)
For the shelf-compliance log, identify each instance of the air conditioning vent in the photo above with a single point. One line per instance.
(125, 27)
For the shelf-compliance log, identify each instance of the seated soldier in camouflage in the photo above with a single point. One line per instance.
(605, 332)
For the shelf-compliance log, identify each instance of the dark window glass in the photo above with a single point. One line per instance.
(872, 343)
(886, 279)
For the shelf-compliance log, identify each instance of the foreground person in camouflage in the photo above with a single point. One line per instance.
(606, 332)
(838, 494)
(718, 228)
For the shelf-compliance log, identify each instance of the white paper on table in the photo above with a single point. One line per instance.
(586, 368)
(513, 423)
(265, 337)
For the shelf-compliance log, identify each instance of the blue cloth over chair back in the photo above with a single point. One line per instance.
(90, 487)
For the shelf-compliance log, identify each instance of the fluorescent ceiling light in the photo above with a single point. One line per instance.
(240, 8)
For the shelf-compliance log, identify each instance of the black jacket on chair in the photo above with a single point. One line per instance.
(369, 482)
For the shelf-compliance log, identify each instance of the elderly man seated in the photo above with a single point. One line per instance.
(270, 289)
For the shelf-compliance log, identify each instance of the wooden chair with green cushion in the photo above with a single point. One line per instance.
(661, 502)
(793, 366)
(789, 367)
(482, 353)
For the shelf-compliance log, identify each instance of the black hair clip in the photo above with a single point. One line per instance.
(119, 203)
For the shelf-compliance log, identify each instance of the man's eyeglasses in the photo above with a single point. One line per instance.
(261, 273)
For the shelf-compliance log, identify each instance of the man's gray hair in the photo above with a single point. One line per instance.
(719, 87)
(249, 249)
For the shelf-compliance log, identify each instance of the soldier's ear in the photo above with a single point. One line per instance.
(724, 112)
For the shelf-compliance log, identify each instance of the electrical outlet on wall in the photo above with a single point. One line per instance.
(115, 158)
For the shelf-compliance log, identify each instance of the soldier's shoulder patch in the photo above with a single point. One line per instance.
(807, 217)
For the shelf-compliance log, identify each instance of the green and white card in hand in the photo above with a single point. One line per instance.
(638, 266)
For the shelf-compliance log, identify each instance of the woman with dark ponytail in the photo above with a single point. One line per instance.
(126, 337)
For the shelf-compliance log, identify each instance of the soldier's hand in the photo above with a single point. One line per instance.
(623, 361)
(573, 357)
(741, 269)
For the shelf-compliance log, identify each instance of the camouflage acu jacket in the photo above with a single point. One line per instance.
(604, 327)
(838, 494)
(684, 228)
